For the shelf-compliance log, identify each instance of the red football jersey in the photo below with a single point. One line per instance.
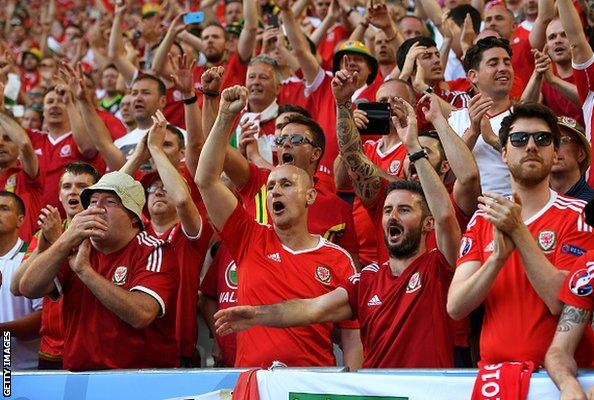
(333, 37)
(54, 155)
(235, 72)
(190, 253)
(560, 105)
(517, 324)
(522, 58)
(95, 337)
(174, 108)
(391, 161)
(30, 190)
(329, 216)
(115, 127)
(220, 284)
(269, 272)
(404, 322)
(584, 81)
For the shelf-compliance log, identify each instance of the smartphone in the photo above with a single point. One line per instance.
(272, 20)
(194, 18)
(378, 115)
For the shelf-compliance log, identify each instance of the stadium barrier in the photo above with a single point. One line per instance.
(289, 384)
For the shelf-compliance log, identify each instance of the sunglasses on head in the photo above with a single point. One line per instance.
(520, 139)
(295, 139)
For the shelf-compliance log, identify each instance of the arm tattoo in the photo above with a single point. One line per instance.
(572, 316)
(365, 175)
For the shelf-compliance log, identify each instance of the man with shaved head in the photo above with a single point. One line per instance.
(274, 262)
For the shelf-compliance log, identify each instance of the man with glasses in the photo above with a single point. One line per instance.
(573, 160)
(279, 261)
(516, 250)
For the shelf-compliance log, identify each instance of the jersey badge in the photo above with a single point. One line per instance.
(546, 240)
(374, 301)
(414, 283)
(580, 283)
(323, 274)
(11, 182)
(275, 257)
(66, 151)
(231, 275)
(394, 167)
(120, 274)
(465, 246)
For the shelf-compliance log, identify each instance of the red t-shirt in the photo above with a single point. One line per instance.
(522, 58)
(54, 155)
(329, 216)
(577, 292)
(560, 105)
(52, 324)
(392, 161)
(190, 253)
(293, 92)
(517, 325)
(30, 190)
(115, 127)
(269, 272)
(174, 108)
(333, 37)
(95, 337)
(220, 284)
(404, 322)
(584, 81)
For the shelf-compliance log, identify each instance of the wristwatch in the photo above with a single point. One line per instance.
(416, 156)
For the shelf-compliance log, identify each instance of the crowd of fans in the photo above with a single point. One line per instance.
(409, 181)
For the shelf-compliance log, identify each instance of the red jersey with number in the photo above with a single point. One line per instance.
(30, 190)
(220, 284)
(54, 155)
(404, 322)
(270, 272)
(95, 337)
(517, 324)
(329, 216)
(390, 161)
(190, 253)
(52, 325)
(584, 81)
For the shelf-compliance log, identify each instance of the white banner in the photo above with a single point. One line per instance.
(388, 385)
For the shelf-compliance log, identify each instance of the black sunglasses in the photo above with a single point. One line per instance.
(295, 139)
(520, 139)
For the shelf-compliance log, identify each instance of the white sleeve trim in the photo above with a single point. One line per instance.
(192, 238)
(53, 295)
(583, 66)
(154, 295)
(310, 88)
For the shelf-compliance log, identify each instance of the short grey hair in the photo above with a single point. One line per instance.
(264, 59)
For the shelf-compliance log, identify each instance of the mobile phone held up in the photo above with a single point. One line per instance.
(193, 18)
(272, 20)
(378, 115)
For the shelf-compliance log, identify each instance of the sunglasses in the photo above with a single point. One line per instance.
(296, 139)
(153, 189)
(520, 139)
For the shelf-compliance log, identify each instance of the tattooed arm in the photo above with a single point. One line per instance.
(366, 177)
(559, 360)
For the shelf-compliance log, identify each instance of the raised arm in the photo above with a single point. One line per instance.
(247, 37)
(115, 49)
(330, 307)
(334, 12)
(446, 228)
(183, 80)
(172, 180)
(161, 54)
(546, 13)
(308, 62)
(366, 177)
(219, 200)
(559, 360)
(581, 51)
(18, 136)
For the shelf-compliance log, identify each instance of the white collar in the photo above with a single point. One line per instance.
(267, 114)
(12, 252)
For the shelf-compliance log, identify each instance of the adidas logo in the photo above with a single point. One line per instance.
(274, 257)
(489, 247)
(374, 301)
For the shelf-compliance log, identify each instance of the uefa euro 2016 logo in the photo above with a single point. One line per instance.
(581, 282)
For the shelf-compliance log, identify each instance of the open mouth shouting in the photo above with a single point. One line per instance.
(278, 207)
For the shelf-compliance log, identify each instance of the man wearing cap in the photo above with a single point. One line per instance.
(119, 283)
(576, 294)
(29, 73)
(573, 159)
